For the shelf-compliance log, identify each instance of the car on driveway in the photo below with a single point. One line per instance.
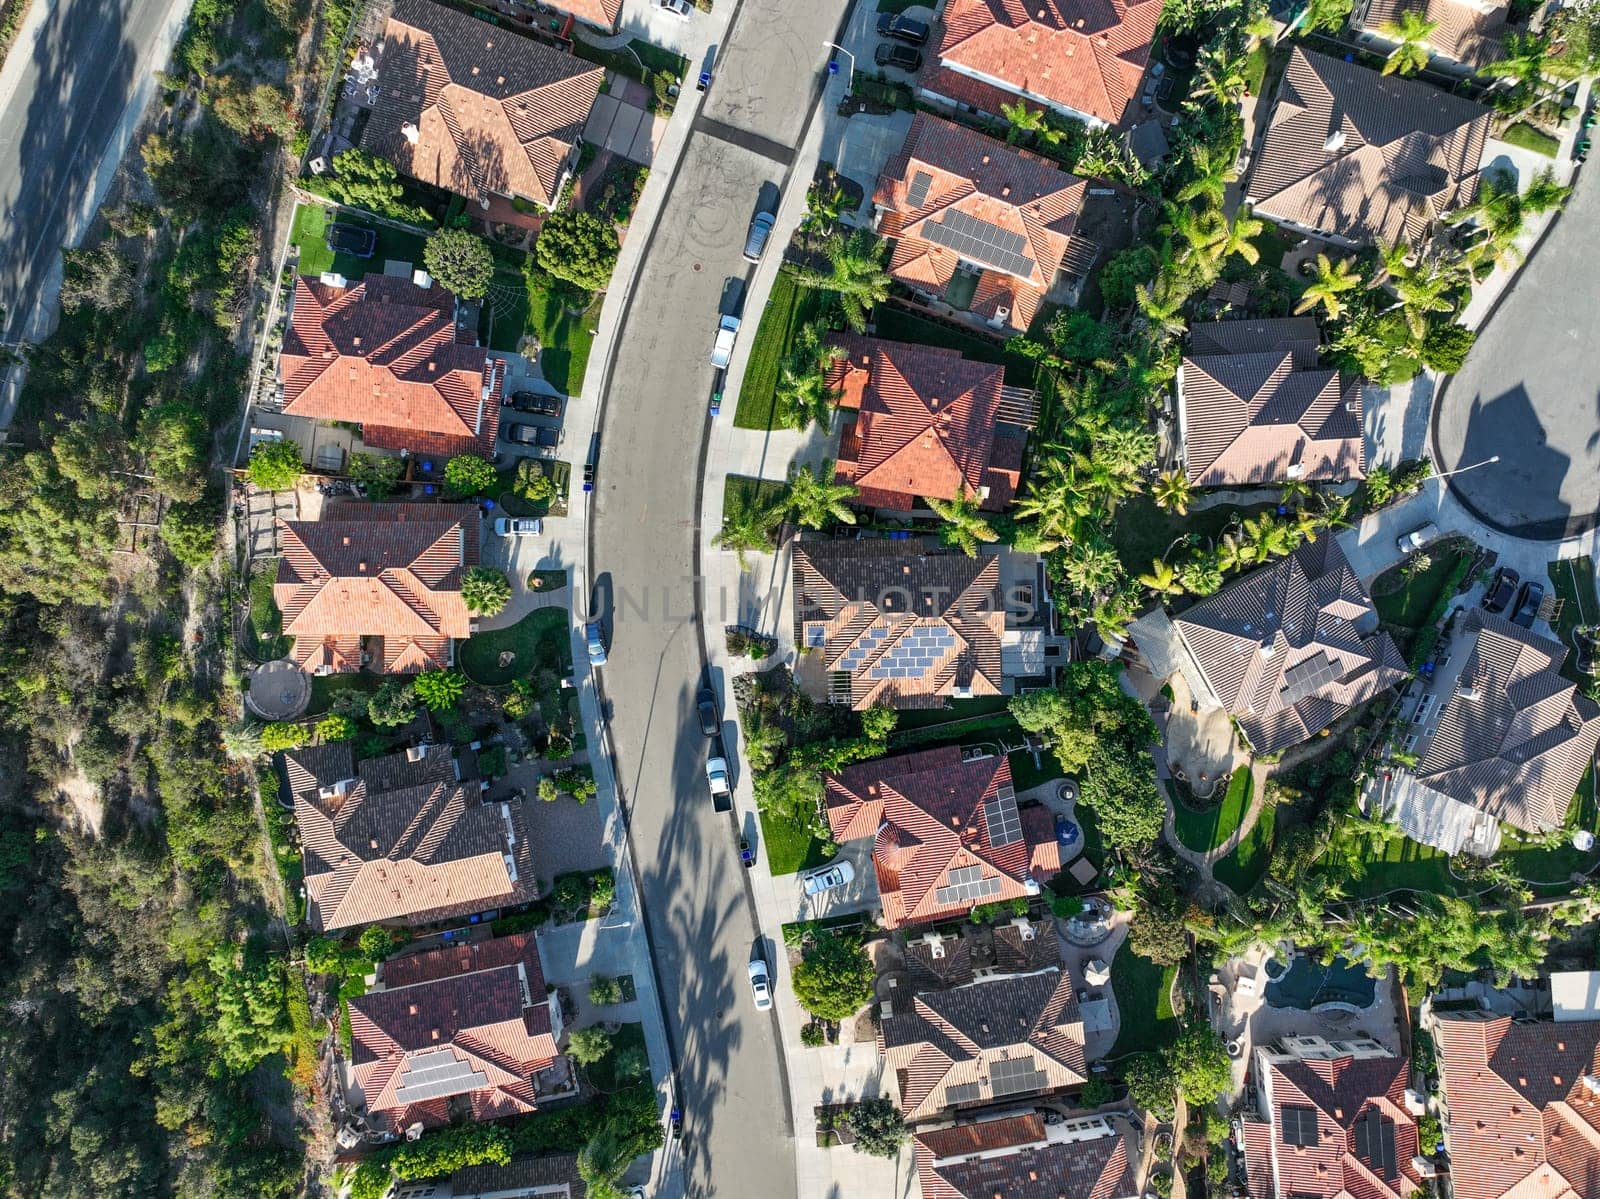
(1528, 601)
(902, 58)
(678, 8)
(518, 526)
(760, 984)
(827, 878)
(1417, 538)
(705, 706)
(717, 781)
(535, 402)
(902, 28)
(535, 435)
(1501, 588)
(595, 643)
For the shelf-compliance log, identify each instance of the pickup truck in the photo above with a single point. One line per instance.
(1417, 538)
(722, 348)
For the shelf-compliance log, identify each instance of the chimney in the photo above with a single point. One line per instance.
(432, 366)
(434, 1033)
(411, 1009)
(411, 133)
(373, 844)
(346, 539)
(1006, 190)
(362, 567)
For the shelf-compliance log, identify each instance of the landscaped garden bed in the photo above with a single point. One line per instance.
(1203, 828)
(540, 640)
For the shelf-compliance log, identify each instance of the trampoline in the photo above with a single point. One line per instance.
(1307, 985)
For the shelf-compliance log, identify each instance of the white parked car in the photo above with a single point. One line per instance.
(760, 984)
(717, 780)
(828, 878)
(518, 526)
(678, 8)
(1417, 538)
(722, 348)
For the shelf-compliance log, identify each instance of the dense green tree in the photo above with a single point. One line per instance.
(589, 1045)
(1445, 347)
(275, 465)
(879, 1129)
(283, 734)
(460, 262)
(364, 180)
(1087, 708)
(578, 247)
(834, 977)
(378, 473)
(439, 690)
(1123, 273)
(251, 109)
(53, 545)
(190, 532)
(392, 704)
(1198, 1063)
(335, 728)
(172, 438)
(97, 277)
(1150, 1084)
(485, 590)
(1157, 933)
(251, 1018)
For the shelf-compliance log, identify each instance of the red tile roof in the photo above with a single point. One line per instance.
(477, 109)
(926, 425)
(945, 179)
(389, 571)
(1523, 1121)
(938, 822)
(603, 14)
(1084, 55)
(1326, 1129)
(1020, 1157)
(386, 354)
(483, 1034)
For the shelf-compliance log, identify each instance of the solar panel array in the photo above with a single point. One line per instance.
(981, 241)
(1299, 1125)
(918, 652)
(966, 884)
(1013, 1075)
(917, 193)
(437, 1074)
(1375, 1143)
(1307, 677)
(859, 652)
(964, 1092)
(816, 634)
(1000, 815)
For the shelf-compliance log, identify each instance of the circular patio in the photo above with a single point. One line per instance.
(278, 690)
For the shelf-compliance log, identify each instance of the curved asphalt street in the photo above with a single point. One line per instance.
(1530, 391)
(738, 1134)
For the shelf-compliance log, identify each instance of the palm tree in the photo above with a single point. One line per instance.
(1522, 59)
(1410, 33)
(856, 275)
(1220, 76)
(1234, 553)
(964, 526)
(1295, 489)
(1238, 237)
(1394, 261)
(1335, 511)
(1056, 499)
(803, 394)
(242, 742)
(1544, 194)
(748, 521)
(1162, 305)
(603, 1160)
(1423, 292)
(1172, 492)
(1024, 120)
(1213, 172)
(1201, 575)
(815, 499)
(1162, 579)
(1199, 232)
(1326, 14)
(824, 206)
(1332, 281)
(1090, 567)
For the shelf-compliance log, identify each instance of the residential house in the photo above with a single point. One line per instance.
(1467, 34)
(376, 585)
(980, 226)
(896, 624)
(388, 354)
(1254, 407)
(1331, 1121)
(1008, 1037)
(1355, 157)
(551, 1177)
(1016, 1154)
(927, 423)
(947, 833)
(1521, 1102)
(467, 1029)
(1506, 739)
(403, 838)
(1286, 650)
(602, 15)
(1080, 58)
(478, 109)
(939, 961)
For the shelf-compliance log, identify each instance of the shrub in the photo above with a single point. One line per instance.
(589, 1045)
(1096, 1093)
(376, 942)
(282, 734)
(532, 483)
(485, 590)
(378, 473)
(367, 181)
(460, 261)
(162, 352)
(571, 891)
(548, 791)
(578, 247)
(468, 474)
(604, 991)
(275, 465)
(834, 977)
(578, 783)
(602, 889)
(439, 690)
(335, 728)
(392, 705)
(1445, 347)
(878, 1128)
(811, 1034)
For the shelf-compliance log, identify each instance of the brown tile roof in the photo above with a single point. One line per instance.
(1465, 32)
(952, 195)
(385, 354)
(390, 571)
(603, 14)
(1019, 1157)
(1365, 156)
(1261, 411)
(400, 839)
(1523, 1121)
(492, 112)
(1084, 55)
(1515, 737)
(542, 1177)
(926, 425)
(948, 836)
(484, 1034)
(944, 1050)
(1291, 646)
(907, 628)
(1328, 1128)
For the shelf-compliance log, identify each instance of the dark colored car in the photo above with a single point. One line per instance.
(902, 28)
(534, 402)
(1501, 588)
(705, 706)
(533, 435)
(902, 58)
(1528, 600)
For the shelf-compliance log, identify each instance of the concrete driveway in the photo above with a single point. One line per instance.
(859, 895)
(1530, 391)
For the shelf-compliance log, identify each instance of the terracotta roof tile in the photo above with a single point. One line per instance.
(491, 112)
(1018, 1157)
(1465, 32)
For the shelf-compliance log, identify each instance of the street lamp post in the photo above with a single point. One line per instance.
(833, 63)
(1461, 470)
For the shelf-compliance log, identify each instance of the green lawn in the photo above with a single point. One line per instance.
(1203, 831)
(1144, 1003)
(1143, 531)
(1573, 580)
(789, 847)
(1255, 70)
(556, 470)
(310, 226)
(1025, 775)
(789, 306)
(1529, 138)
(1242, 869)
(742, 489)
(1412, 602)
(539, 639)
(896, 324)
(533, 302)
(958, 709)
(265, 626)
(325, 688)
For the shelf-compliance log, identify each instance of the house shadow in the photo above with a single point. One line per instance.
(1524, 493)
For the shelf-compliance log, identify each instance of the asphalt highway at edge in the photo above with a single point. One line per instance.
(727, 1058)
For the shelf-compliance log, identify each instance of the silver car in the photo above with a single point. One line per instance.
(760, 984)
(827, 878)
(518, 526)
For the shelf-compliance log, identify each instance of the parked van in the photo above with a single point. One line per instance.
(756, 240)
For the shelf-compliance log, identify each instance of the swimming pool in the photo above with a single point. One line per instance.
(1308, 984)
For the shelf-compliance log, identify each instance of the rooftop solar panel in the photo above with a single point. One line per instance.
(981, 242)
(437, 1074)
(964, 1092)
(1001, 819)
(1374, 1137)
(917, 193)
(1299, 1125)
(1309, 676)
(1012, 1076)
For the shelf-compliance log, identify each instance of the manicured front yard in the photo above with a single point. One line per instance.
(789, 306)
(311, 223)
(1204, 830)
(609, 1073)
(1413, 597)
(534, 303)
(1573, 581)
(790, 848)
(325, 688)
(1526, 137)
(540, 640)
(1144, 1003)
